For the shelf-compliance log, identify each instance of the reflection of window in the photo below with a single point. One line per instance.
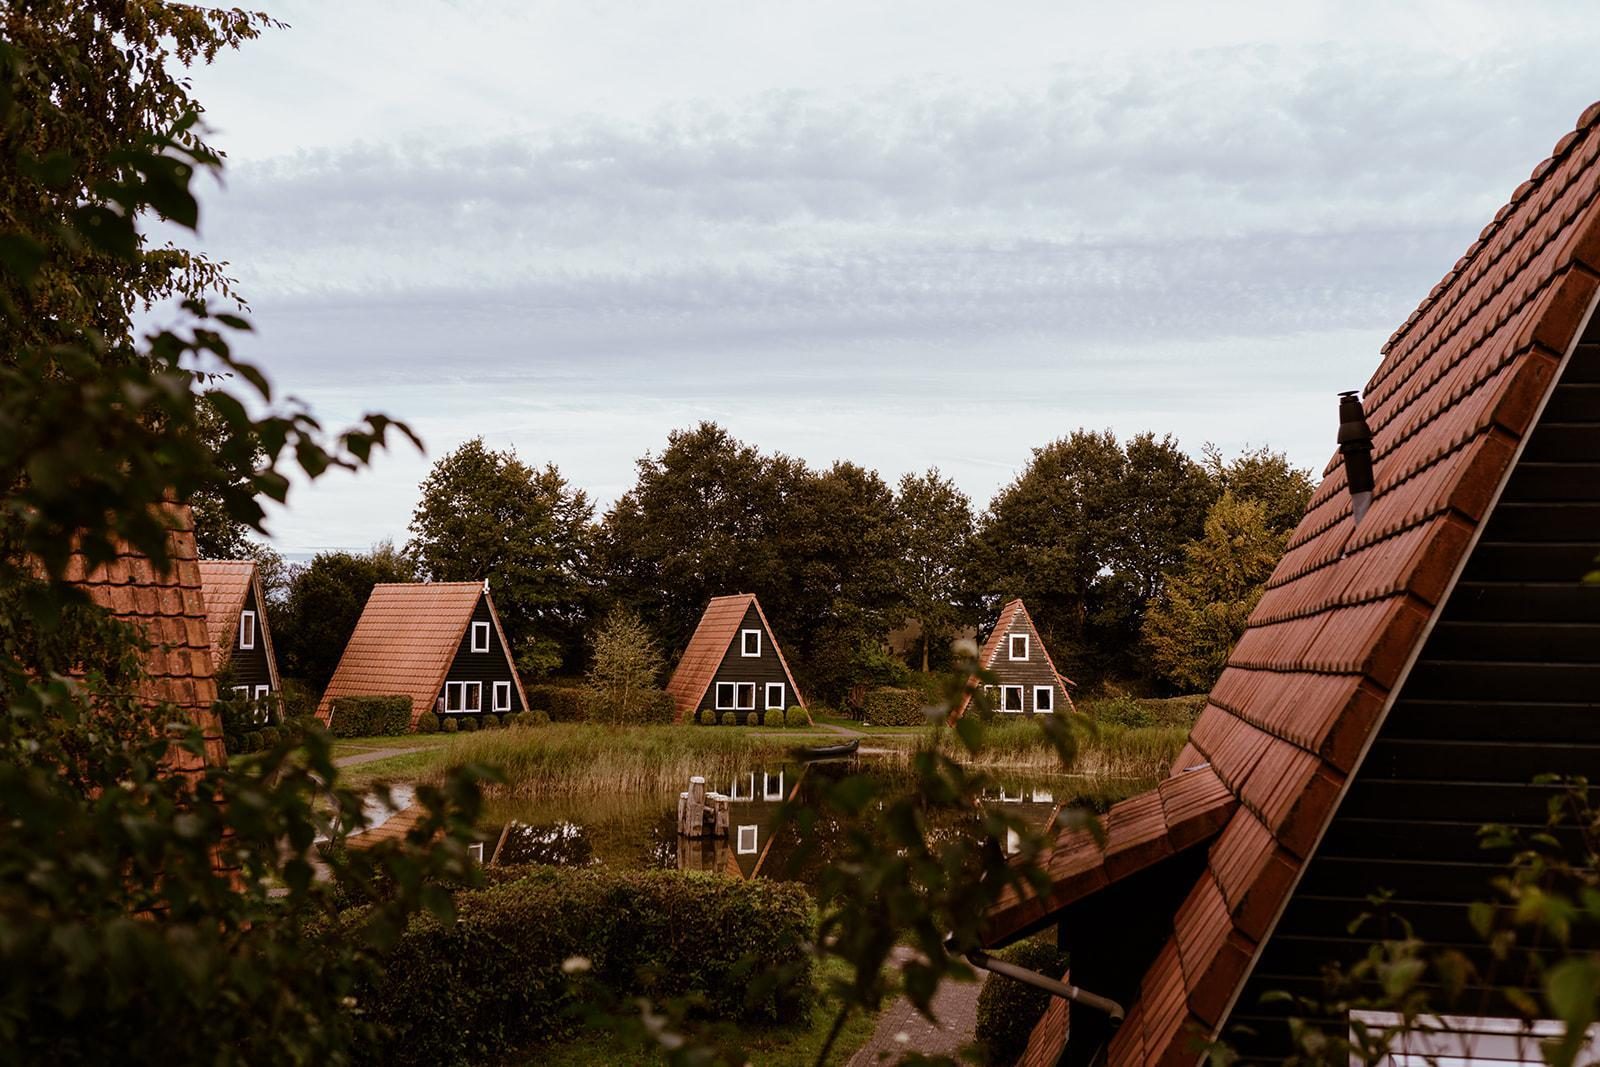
(1011, 698)
(750, 643)
(774, 695)
(475, 850)
(502, 696)
(247, 629)
(725, 693)
(747, 697)
(1044, 698)
(1019, 646)
(772, 786)
(1462, 1039)
(1013, 842)
(747, 840)
(749, 790)
(463, 696)
(480, 637)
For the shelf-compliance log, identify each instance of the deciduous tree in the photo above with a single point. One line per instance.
(625, 664)
(484, 513)
(324, 601)
(937, 522)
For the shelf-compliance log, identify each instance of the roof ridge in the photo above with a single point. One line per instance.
(1563, 148)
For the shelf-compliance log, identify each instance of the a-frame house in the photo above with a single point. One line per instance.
(439, 643)
(733, 666)
(236, 617)
(1026, 681)
(1424, 650)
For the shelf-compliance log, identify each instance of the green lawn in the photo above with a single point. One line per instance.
(774, 1046)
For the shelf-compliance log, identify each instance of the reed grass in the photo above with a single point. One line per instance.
(563, 758)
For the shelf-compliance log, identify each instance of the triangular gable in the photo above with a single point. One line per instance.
(1013, 610)
(405, 641)
(713, 637)
(1346, 612)
(228, 585)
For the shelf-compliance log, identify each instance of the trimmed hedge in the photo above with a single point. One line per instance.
(1009, 1010)
(655, 707)
(563, 703)
(369, 716)
(428, 722)
(492, 981)
(888, 706)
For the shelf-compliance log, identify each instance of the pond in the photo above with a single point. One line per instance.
(639, 830)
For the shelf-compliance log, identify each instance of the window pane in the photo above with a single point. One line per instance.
(747, 696)
(473, 694)
(774, 695)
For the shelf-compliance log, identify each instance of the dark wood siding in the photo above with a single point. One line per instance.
(486, 667)
(248, 666)
(736, 667)
(1507, 688)
(1033, 671)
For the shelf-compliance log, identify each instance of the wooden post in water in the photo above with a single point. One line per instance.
(702, 814)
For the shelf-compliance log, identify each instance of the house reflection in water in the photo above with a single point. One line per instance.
(1037, 806)
(755, 798)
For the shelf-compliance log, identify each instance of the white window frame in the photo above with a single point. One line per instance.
(732, 691)
(502, 696)
(1049, 692)
(1005, 692)
(744, 644)
(262, 691)
(781, 694)
(477, 629)
(461, 689)
(1011, 647)
(767, 792)
(475, 851)
(749, 791)
(241, 692)
(743, 688)
(1466, 1040)
(247, 634)
(755, 840)
(992, 692)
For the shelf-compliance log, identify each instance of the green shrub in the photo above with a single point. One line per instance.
(491, 721)
(369, 716)
(469, 723)
(888, 706)
(729, 718)
(450, 725)
(774, 717)
(538, 718)
(1137, 714)
(797, 716)
(564, 703)
(493, 978)
(428, 723)
(1009, 1010)
(706, 717)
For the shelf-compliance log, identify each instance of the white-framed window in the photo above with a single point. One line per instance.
(747, 697)
(1044, 699)
(1011, 698)
(749, 643)
(747, 840)
(262, 691)
(1017, 646)
(725, 695)
(502, 696)
(775, 696)
(463, 697)
(480, 637)
(241, 692)
(748, 790)
(772, 786)
(475, 850)
(992, 692)
(247, 629)
(1465, 1041)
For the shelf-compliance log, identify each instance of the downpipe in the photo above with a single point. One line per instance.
(985, 962)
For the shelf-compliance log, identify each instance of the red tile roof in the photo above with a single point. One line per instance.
(712, 638)
(1344, 614)
(226, 584)
(1009, 614)
(169, 610)
(405, 641)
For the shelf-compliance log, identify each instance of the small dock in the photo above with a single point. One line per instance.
(702, 814)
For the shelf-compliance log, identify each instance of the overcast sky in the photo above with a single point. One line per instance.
(906, 234)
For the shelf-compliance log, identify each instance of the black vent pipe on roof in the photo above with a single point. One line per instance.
(1355, 444)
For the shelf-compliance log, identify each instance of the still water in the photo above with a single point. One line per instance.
(639, 831)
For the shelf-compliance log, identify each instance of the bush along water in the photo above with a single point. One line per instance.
(505, 977)
(892, 706)
(1008, 1009)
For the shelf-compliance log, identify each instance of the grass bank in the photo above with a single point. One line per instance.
(561, 758)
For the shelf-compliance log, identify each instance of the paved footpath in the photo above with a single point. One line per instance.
(903, 1029)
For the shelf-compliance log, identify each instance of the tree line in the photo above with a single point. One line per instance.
(1139, 563)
